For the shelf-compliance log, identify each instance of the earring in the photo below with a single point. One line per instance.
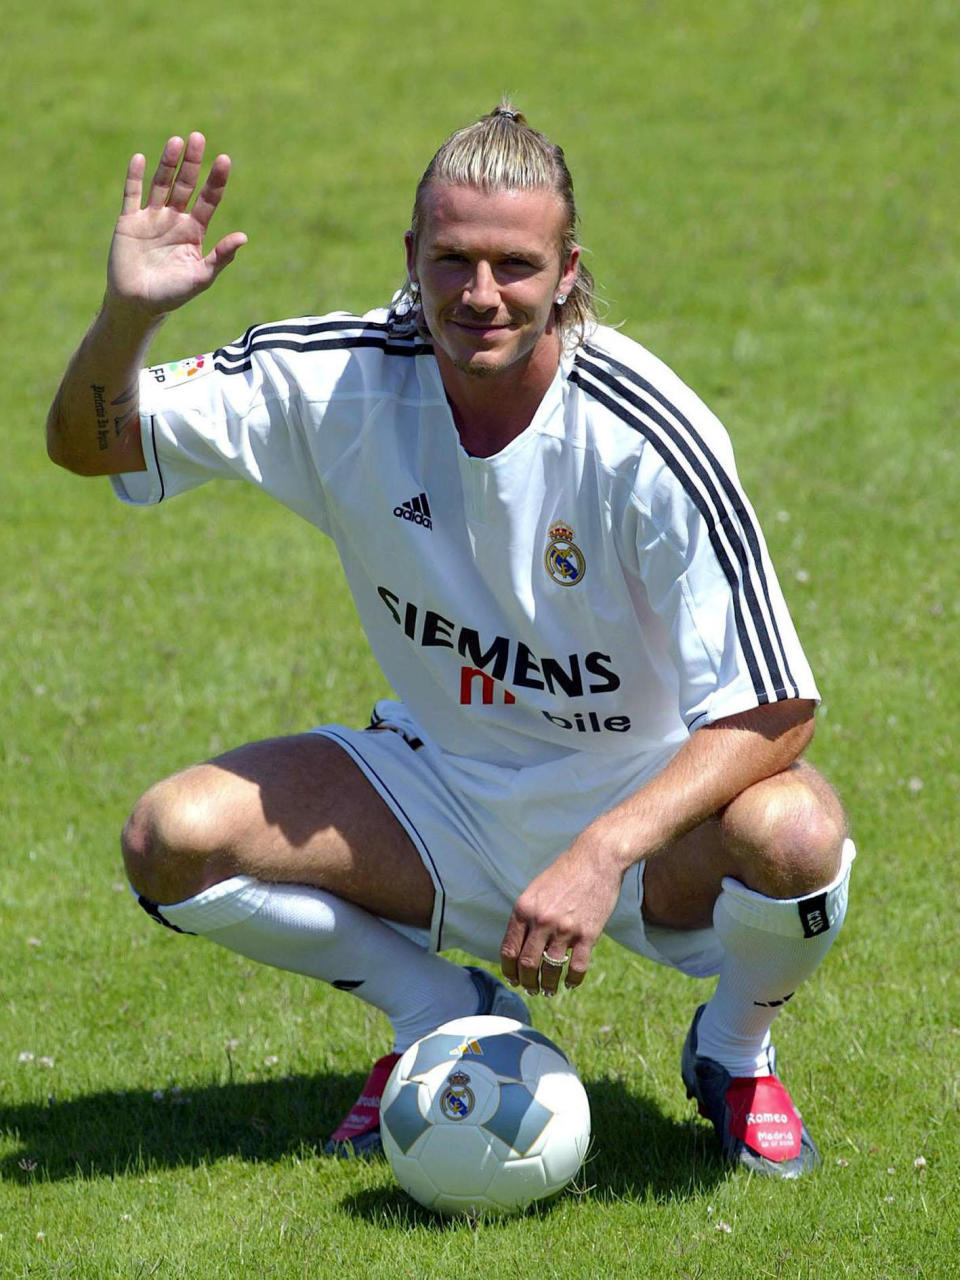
(561, 299)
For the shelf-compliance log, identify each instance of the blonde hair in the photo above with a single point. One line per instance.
(500, 152)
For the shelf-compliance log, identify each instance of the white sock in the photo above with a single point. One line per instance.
(308, 931)
(770, 946)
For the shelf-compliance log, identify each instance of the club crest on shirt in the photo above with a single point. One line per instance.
(563, 559)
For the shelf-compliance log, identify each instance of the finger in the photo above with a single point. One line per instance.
(551, 968)
(185, 182)
(510, 949)
(133, 186)
(165, 173)
(212, 191)
(579, 964)
(531, 958)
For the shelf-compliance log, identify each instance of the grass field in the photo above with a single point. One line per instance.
(770, 200)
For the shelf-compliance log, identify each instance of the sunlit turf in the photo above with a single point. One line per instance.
(770, 202)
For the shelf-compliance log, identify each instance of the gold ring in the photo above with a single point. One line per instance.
(553, 963)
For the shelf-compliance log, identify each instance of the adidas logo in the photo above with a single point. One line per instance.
(417, 510)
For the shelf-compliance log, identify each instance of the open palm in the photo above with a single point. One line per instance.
(157, 260)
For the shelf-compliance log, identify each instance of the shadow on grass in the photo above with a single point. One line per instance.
(104, 1134)
(635, 1149)
(635, 1152)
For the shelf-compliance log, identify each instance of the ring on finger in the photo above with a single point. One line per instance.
(553, 962)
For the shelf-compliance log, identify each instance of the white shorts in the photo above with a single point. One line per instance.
(485, 831)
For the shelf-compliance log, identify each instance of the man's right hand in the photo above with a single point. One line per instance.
(157, 260)
(157, 263)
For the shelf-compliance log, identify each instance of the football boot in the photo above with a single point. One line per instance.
(754, 1117)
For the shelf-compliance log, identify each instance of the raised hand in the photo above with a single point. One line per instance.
(157, 260)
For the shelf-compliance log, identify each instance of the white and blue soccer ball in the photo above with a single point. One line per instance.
(484, 1115)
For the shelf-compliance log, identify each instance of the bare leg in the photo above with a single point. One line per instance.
(782, 845)
(781, 838)
(283, 852)
(287, 810)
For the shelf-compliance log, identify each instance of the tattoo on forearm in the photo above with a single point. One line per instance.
(126, 403)
(127, 406)
(121, 423)
(100, 409)
(125, 397)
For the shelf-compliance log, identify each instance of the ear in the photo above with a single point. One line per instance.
(568, 276)
(411, 257)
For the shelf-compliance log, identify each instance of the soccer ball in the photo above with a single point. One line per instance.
(484, 1115)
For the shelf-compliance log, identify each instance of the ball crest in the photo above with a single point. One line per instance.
(484, 1115)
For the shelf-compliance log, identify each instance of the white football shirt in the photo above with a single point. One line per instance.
(600, 586)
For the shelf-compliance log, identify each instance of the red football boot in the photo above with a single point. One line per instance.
(754, 1117)
(358, 1133)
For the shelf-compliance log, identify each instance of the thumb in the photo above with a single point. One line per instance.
(225, 250)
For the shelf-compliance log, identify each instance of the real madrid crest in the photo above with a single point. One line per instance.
(457, 1099)
(563, 559)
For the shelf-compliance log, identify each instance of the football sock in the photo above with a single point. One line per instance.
(309, 931)
(770, 946)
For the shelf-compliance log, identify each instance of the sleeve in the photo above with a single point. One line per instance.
(251, 411)
(186, 422)
(709, 579)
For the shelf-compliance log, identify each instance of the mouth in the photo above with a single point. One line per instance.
(482, 326)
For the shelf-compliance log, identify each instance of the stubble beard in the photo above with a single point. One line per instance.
(474, 370)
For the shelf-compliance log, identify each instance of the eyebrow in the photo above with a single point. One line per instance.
(513, 251)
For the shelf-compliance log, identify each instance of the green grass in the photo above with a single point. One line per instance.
(770, 200)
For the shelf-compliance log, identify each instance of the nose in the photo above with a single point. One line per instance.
(481, 293)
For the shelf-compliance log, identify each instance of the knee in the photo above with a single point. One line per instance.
(786, 834)
(170, 841)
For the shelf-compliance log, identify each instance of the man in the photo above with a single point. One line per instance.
(604, 702)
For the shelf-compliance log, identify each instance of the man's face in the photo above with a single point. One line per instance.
(489, 269)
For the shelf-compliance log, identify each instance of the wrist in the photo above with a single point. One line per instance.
(614, 845)
(127, 319)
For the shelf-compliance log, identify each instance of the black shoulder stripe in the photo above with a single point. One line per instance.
(724, 479)
(301, 329)
(732, 531)
(729, 519)
(328, 344)
(730, 572)
(327, 335)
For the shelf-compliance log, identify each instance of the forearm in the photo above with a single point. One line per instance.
(93, 426)
(712, 768)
